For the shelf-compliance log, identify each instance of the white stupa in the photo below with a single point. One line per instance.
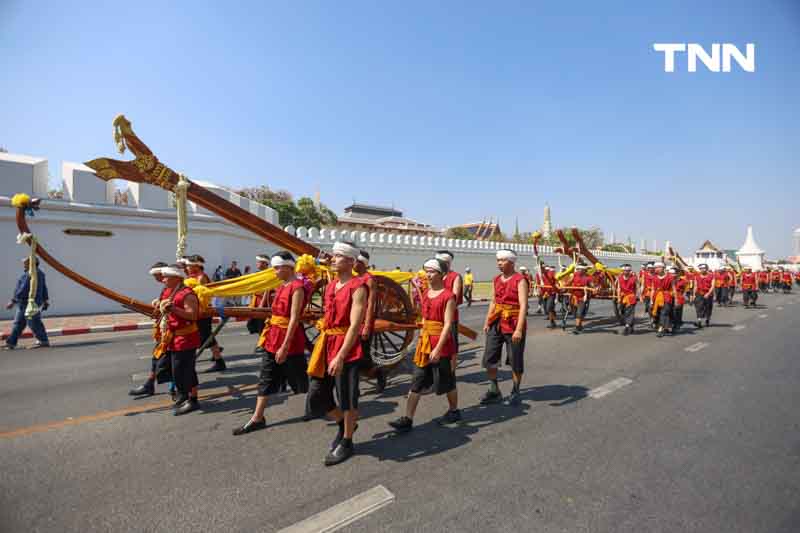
(750, 254)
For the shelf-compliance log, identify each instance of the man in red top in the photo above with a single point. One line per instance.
(548, 292)
(681, 283)
(775, 278)
(786, 281)
(581, 284)
(645, 284)
(256, 325)
(527, 275)
(662, 297)
(452, 282)
(195, 268)
(335, 360)
(721, 286)
(703, 295)
(797, 277)
(763, 280)
(626, 298)
(505, 324)
(368, 366)
(732, 282)
(283, 342)
(161, 367)
(435, 347)
(180, 336)
(749, 287)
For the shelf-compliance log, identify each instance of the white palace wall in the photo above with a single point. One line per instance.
(144, 232)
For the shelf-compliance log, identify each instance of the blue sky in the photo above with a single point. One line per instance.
(451, 111)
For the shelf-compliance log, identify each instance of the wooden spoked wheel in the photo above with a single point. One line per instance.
(393, 304)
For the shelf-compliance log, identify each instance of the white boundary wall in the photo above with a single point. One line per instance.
(145, 232)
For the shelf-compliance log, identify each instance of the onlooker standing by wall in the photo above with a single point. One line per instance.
(20, 299)
(217, 273)
(233, 272)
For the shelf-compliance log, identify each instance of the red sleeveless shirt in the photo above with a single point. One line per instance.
(337, 314)
(507, 292)
(282, 306)
(449, 281)
(627, 284)
(190, 341)
(434, 309)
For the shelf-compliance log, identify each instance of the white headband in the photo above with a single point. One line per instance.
(347, 250)
(523, 268)
(658, 265)
(182, 261)
(192, 263)
(447, 258)
(362, 259)
(433, 264)
(278, 261)
(508, 255)
(172, 272)
(263, 258)
(580, 267)
(157, 270)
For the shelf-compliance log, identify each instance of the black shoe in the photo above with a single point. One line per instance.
(250, 426)
(147, 388)
(576, 331)
(188, 406)
(699, 324)
(179, 400)
(218, 365)
(450, 417)
(708, 323)
(380, 379)
(339, 436)
(402, 424)
(513, 399)
(625, 331)
(342, 453)
(660, 334)
(491, 397)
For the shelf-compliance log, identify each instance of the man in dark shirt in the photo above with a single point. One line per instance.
(20, 299)
(233, 271)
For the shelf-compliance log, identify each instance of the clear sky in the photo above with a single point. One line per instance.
(451, 111)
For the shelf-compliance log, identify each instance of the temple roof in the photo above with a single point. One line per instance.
(750, 247)
(708, 246)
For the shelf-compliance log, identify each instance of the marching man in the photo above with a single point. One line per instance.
(627, 289)
(682, 284)
(581, 285)
(749, 287)
(194, 265)
(369, 368)
(505, 325)
(548, 292)
(335, 361)
(434, 349)
(662, 296)
(282, 341)
(703, 295)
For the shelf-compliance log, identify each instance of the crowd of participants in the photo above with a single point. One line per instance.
(330, 373)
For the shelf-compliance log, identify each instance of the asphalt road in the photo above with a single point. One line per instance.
(700, 435)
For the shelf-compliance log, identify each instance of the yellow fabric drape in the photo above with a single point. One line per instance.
(424, 348)
(317, 365)
(503, 311)
(657, 304)
(629, 299)
(276, 321)
(167, 336)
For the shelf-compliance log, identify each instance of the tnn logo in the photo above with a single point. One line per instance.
(694, 51)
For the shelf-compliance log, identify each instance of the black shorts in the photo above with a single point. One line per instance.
(425, 377)
(366, 350)
(550, 304)
(320, 391)
(162, 367)
(581, 309)
(293, 370)
(515, 351)
(204, 327)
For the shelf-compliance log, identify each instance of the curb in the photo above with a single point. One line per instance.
(106, 328)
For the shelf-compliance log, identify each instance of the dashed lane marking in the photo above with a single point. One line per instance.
(608, 388)
(763, 316)
(779, 308)
(345, 513)
(738, 327)
(696, 347)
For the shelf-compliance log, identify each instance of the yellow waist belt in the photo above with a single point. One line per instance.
(277, 321)
(166, 338)
(658, 303)
(424, 348)
(318, 362)
(505, 311)
(629, 299)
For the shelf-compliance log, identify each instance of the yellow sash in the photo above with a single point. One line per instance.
(657, 304)
(317, 365)
(629, 299)
(505, 311)
(277, 321)
(424, 348)
(166, 338)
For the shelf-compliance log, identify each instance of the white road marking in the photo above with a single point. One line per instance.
(142, 343)
(779, 308)
(145, 356)
(344, 513)
(763, 316)
(696, 347)
(608, 388)
(738, 327)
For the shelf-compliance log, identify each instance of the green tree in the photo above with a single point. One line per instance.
(459, 233)
(300, 213)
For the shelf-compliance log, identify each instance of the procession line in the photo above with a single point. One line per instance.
(134, 409)
(344, 513)
(608, 388)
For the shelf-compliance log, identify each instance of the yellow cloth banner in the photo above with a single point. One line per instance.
(317, 364)
(424, 348)
(277, 321)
